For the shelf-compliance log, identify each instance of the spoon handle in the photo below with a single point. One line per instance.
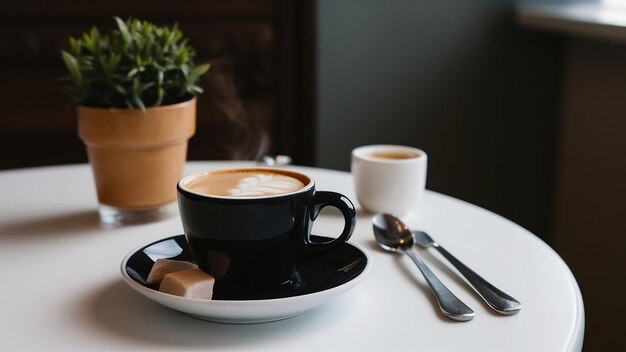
(450, 305)
(498, 300)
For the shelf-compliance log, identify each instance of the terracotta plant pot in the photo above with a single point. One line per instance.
(137, 156)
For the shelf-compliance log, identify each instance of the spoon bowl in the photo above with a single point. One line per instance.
(422, 239)
(396, 240)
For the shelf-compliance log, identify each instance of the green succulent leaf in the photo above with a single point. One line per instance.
(74, 46)
(198, 71)
(123, 30)
(73, 67)
(136, 65)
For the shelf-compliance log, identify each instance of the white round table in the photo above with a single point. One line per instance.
(61, 288)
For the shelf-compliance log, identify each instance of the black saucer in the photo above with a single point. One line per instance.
(326, 271)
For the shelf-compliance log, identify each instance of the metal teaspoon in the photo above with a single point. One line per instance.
(498, 300)
(394, 236)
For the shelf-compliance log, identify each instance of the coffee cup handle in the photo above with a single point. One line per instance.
(322, 199)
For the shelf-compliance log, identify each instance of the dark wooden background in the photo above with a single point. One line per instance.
(258, 93)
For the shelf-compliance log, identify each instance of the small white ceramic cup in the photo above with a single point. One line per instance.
(389, 178)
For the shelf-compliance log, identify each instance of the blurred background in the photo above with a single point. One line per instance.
(520, 106)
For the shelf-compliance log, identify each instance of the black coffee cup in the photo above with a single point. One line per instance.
(255, 243)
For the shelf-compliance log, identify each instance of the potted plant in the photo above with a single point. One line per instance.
(134, 90)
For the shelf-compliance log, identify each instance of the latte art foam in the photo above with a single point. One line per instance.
(265, 185)
(246, 183)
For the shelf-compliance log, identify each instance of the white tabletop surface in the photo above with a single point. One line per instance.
(61, 288)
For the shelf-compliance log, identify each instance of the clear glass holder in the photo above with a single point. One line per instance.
(117, 217)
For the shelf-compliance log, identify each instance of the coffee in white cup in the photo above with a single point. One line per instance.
(389, 178)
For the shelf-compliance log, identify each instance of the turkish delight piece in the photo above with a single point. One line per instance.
(191, 283)
(163, 267)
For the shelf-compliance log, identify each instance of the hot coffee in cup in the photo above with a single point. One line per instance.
(245, 183)
(250, 228)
